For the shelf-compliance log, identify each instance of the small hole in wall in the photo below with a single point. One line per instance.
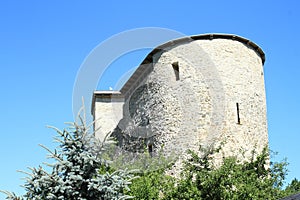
(176, 70)
(238, 113)
(150, 149)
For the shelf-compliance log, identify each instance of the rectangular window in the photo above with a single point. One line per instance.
(238, 113)
(150, 149)
(176, 70)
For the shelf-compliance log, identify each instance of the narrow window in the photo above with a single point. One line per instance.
(150, 149)
(238, 113)
(176, 70)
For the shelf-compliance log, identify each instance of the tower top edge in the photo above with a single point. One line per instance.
(210, 36)
(187, 39)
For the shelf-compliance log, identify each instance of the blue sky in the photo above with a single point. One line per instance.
(43, 44)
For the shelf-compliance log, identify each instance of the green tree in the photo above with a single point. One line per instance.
(79, 171)
(151, 185)
(256, 178)
(293, 187)
(232, 180)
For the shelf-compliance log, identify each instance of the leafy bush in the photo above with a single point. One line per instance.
(151, 185)
(82, 171)
(293, 187)
(201, 179)
(232, 180)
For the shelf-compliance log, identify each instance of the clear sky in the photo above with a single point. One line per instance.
(44, 43)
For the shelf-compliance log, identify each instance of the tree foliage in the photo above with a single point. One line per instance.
(232, 180)
(256, 178)
(293, 187)
(151, 185)
(82, 171)
(79, 172)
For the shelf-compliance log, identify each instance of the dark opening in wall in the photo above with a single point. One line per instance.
(150, 149)
(238, 113)
(176, 70)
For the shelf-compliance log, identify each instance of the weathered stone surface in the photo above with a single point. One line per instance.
(196, 103)
(107, 114)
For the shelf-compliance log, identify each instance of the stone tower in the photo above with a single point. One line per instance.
(203, 89)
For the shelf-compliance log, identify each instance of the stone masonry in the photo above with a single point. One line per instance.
(203, 89)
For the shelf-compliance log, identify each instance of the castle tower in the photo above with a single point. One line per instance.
(205, 89)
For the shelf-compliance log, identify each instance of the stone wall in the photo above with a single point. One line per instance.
(108, 111)
(198, 92)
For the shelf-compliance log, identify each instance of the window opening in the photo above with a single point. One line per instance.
(150, 149)
(176, 70)
(238, 113)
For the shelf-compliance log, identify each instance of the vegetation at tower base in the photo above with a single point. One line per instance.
(231, 180)
(78, 173)
(293, 187)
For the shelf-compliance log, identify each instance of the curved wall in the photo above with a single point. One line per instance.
(204, 91)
